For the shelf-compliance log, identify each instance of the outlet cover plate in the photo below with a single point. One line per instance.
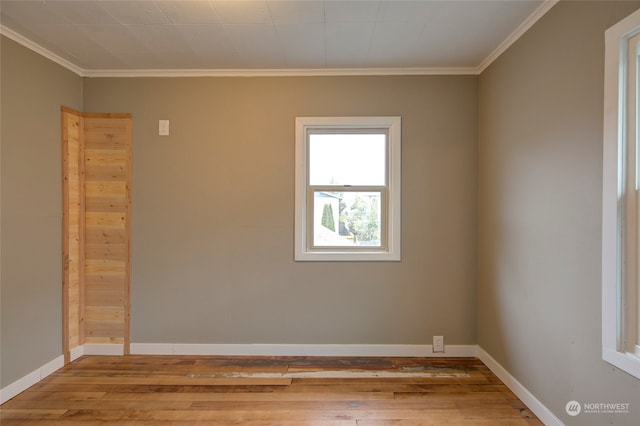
(438, 344)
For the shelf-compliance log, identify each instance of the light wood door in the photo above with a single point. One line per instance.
(98, 310)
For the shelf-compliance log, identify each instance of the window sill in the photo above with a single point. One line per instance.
(336, 256)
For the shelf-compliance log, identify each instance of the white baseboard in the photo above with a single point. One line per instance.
(103, 349)
(538, 408)
(259, 349)
(30, 379)
(96, 349)
(76, 353)
(38, 374)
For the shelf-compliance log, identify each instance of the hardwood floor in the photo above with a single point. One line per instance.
(258, 391)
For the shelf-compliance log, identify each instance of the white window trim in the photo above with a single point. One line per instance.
(619, 347)
(302, 250)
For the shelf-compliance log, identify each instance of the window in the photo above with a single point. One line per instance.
(621, 211)
(347, 188)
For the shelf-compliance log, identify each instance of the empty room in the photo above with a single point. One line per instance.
(190, 236)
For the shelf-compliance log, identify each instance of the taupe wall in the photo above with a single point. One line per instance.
(540, 184)
(213, 210)
(33, 89)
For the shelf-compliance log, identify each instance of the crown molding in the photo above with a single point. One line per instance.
(517, 33)
(310, 72)
(9, 33)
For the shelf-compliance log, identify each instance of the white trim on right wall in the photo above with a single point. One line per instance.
(620, 219)
(538, 408)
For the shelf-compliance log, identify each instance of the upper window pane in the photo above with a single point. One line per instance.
(347, 159)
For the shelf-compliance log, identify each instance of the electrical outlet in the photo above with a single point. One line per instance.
(438, 344)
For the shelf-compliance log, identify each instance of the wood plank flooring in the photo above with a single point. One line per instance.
(259, 391)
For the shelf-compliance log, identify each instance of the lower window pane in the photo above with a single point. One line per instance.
(342, 219)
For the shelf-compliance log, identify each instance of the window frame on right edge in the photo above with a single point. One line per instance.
(621, 198)
(386, 192)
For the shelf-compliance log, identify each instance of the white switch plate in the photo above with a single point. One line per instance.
(438, 344)
(163, 127)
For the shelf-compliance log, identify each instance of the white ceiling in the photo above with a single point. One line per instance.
(102, 37)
